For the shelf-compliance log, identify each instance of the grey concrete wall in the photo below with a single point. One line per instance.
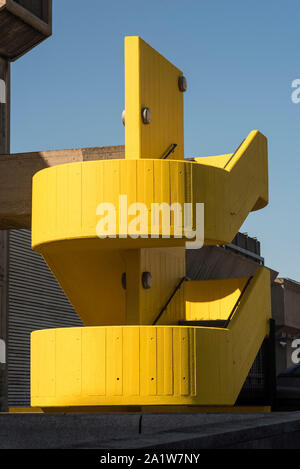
(277, 294)
(292, 303)
(286, 303)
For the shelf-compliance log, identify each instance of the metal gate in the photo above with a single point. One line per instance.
(35, 301)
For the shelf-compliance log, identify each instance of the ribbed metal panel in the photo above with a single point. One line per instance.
(35, 302)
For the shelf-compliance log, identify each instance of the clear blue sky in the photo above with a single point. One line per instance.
(240, 58)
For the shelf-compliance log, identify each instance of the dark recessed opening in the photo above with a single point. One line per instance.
(124, 281)
(38, 7)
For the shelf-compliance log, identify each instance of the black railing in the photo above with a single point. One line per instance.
(237, 303)
(169, 300)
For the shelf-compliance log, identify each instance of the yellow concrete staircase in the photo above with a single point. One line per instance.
(154, 342)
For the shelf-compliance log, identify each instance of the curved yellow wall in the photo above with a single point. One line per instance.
(65, 198)
(151, 365)
(130, 365)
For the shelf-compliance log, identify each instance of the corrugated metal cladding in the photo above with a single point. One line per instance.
(36, 302)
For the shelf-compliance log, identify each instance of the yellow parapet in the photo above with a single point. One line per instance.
(156, 365)
(232, 187)
(66, 197)
(129, 365)
(210, 300)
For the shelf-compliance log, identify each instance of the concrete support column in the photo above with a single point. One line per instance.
(4, 148)
(4, 106)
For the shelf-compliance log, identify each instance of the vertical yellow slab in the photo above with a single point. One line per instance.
(193, 361)
(151, 81)
(93, 361)
(61, 192)
(185, 362)
(165, 361)
(131, 357)
(89, 204)
(148, 361)
(43, 351)
(114, 361)
(68, 368)
(75, 209)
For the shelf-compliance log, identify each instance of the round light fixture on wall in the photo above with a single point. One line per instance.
(146, 115)
(146, 280)
(182, 84)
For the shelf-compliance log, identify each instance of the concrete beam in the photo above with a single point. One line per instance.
(23, 25)
(4, 105)
(17, 170)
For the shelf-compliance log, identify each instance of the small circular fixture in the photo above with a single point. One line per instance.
(146, 280)
(123, 117)
(182, 83)
(146, 115)
(124, 283)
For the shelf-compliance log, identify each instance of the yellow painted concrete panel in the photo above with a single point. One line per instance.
(73, 208)
(167, 267)
(93, 376)
(163, 368)
(131, 356)
(148, 358)
(151, 81)
(133, 128)
(185, 371)
(231, 193)
(114, 361)
(163, 365)
(212, 299)
(228, 195)
(219, 161)
(250, 325)
(92, 280)
(43, 351)
(165, 379)
(132, 268)
(68, 365)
